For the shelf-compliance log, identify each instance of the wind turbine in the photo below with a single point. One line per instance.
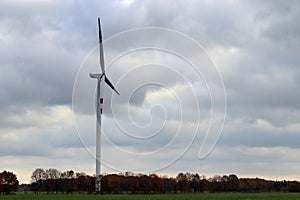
(99, 103)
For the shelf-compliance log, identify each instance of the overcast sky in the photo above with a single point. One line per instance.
(233, 58)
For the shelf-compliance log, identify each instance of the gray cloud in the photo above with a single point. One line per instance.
(254, 43)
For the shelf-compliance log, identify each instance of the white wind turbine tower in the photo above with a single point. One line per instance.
(99, 102)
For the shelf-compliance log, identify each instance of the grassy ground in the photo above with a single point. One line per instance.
(216, 196)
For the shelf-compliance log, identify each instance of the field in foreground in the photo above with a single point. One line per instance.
(208, 196)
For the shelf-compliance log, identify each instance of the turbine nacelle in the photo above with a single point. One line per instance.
(96, 75)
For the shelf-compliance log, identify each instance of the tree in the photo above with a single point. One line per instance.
(145, 184)
(53, 173)
(225, 183)
(1, 186)
(203, 184)
(184, 185)
(37, 178)
(170, 185)
(70, 174)
(111, 183)
(233, 183)
(157, 183)
(294, 186)
(8, 182)
(278, 186)
(196, 183)
(85, 183)
(216, 184)
(246, 185)
(132, 183)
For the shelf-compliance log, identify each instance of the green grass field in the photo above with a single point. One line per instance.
(216, 196)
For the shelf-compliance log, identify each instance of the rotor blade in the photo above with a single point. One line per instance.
(110, 85)
(101, 57)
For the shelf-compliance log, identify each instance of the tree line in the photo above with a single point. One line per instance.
(68, 182)
(52, 180)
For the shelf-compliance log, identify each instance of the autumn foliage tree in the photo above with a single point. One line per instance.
(8, 182)
(52, 180)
